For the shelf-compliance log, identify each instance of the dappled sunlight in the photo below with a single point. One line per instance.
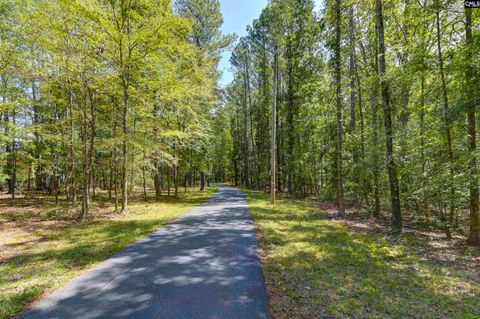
(38, 259)
(204, 262)
(326, 268)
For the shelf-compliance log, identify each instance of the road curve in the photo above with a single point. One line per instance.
(203, 265)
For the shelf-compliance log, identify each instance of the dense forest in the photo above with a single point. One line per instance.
(375, 108)
(107, 95)
(372, 104)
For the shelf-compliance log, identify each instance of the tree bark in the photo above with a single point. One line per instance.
(115, 175)
(124, 209)
(85, 173)
(202, 181)
(73, 157)
(353, 113)
(474, 233)
(157, 180)
(175, 169)
(13, 159)
(245, 135)
(252, 137)
(424, 199)
(273, 156)
(144, 179)
(448, 133)
(338, 82)
(168, 171)
(387, 110)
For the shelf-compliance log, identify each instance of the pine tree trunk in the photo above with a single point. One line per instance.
(252, 137)
(245, 136)
(273, 154)
(338, 82)
(353, 114)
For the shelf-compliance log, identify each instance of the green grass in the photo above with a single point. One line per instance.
(320, 268)
(45, 253)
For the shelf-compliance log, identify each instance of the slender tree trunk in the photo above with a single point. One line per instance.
(387, 110)
(115, 175)
(132, 151)
(91, 146)
(235, 171)
(13, 160)
(202, 181)
(157, 181)
(124, 209)
(424, 204)
(86, 173)
(144, 180)
(273, 156)
(353, 114)
(252, 137)
(29, 178)
(11, 146)
(363, 180)
(376, 141)
(176, 174)
(245, 135)
(168, 171)
(36, 121)
(110, 178)
(290, 125)
(447, 128)
(73, 157)
(279, 173)
(338, 82)
(474, 233)
(175, 170)
(56, 184)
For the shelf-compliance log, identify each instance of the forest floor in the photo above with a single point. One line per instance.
(319, 267)
(43, 246)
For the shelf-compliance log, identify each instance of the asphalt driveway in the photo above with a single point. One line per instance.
(203, 265)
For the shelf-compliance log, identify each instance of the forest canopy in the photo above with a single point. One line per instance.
(95, 91)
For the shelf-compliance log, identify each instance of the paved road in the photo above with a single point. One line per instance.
(203, 265)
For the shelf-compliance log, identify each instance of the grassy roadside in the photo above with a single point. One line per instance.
(320, 268)
(41, 252)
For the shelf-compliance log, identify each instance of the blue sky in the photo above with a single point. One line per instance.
(237, 14)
